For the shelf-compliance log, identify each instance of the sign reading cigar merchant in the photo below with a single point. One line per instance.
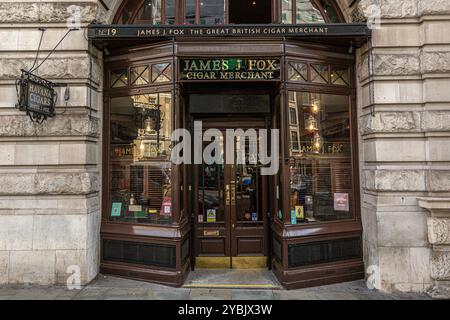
(251, 69)
(36, 96)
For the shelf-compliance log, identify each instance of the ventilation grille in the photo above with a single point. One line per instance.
(323, 251)
(139, 253)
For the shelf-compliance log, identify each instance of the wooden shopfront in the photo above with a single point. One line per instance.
(183, 67)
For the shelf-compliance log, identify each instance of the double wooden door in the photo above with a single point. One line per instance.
(230, 202)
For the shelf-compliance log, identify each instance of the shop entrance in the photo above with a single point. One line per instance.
(230, 201)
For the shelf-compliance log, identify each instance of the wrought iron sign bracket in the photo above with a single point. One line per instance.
(36, 96)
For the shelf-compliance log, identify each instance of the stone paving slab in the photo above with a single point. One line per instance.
(114, 288)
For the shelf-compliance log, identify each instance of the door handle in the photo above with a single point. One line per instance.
(227, 194)
(233, 193)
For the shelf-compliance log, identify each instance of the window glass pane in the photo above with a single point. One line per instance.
(170, 11)
(212, 12)
(286, 11)
(161, 72)
(330, 11)
(307, 13)
(140, 75)
(119, 78)
(298, 71)
(140, 166)
(340, 75)
(321, 172)
(128, 11)
(150, 12)
(319, 73)
(190, 11)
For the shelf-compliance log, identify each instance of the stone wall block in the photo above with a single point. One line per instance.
(396, 64)
(392, 9)
(68, 125)
(4, 264)
(49, 183)
(69, 260)
(53, 68)
(433, 7)
(19, 12)
(45, 12)
(395, 180)
(36, 267)
(438, 180)
(435, 62)
(436, 121)
(391, 122)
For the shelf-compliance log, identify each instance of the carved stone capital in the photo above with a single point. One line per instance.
(438, 207)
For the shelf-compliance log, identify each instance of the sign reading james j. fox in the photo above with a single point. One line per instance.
(251, 69)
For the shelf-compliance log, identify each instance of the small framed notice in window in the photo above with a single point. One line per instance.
(116, 209)
(341, 202)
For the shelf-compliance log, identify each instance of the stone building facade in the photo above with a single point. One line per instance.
(50, 173)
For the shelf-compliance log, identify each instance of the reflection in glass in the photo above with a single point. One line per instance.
(150, 12)
(286, 11)
(140, 167)
(190, 9)
(307, 13)
(298, 71)
(320, 162)
(169, 12)
(212, 12)
(319, 73)
(340, 75)
(161, 72)
(119, 78)
(140, 75)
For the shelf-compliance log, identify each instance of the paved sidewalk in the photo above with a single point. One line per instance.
(113, 288)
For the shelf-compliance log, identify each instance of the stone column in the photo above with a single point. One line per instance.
(50, 177)
(404, 113)
(438, 221)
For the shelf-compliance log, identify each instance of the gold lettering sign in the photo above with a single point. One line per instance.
(251, 69)
(211, 233)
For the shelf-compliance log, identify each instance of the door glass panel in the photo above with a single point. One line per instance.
(211, 191)
(248, 183)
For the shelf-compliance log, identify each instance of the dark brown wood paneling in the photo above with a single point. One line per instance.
(214, 246)
(250, 246)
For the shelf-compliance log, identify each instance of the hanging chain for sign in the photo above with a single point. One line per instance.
(36, 96)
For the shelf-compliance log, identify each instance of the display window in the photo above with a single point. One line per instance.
(140, 166)
(320, 157)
